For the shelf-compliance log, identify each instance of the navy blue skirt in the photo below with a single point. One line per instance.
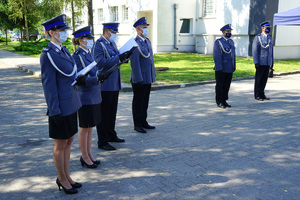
(89, 115)
(66, 129)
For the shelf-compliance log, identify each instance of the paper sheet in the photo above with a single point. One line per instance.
(128, 46)
(85, 70)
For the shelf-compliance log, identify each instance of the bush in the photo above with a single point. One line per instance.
(36, 47)
(3, 39)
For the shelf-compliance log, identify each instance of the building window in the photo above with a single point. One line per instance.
(114, 13)
(125, 14)
(208, 8)
(186, 26)
(100, 15)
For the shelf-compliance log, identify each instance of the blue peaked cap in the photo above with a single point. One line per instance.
(227, 26)
(266, 23)
(111, 25)
(140, 21)
(58, 22)
(84, 32)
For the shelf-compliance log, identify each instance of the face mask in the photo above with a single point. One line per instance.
(89, 44)
(267, 30)
(145, 32)
(228, 35)
(62, 36)
(113, 37)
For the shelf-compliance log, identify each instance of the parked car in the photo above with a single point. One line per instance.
(15, 36)
(32, 36)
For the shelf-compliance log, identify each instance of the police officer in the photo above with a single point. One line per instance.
(107, 55)
(142, 76)
(262, 51)
(58, 71)
(225, 65)
(90, 95)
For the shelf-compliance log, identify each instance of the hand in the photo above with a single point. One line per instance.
(124, 56)
(101, 75)
(80, 80)
(257, 66)
(57, 119)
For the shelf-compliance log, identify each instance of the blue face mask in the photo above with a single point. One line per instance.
(268, 30)
(228, 35)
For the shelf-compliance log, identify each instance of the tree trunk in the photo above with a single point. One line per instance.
(6, 35)
(90, 15)
(25, 17)
(21, 30)
(73, 22)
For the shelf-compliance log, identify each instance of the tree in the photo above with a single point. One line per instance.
(90, 14)
(24, 13)
(5, 22)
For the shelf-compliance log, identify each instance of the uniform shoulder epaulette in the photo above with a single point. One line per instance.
(76, 52)
(46, 49)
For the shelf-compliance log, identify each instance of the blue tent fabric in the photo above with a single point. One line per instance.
(290, 17)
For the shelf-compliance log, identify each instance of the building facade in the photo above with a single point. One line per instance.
(193, 25)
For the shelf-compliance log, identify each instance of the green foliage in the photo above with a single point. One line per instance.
(3, 39)
(36, 47)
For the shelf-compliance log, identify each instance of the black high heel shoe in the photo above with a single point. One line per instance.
(76, 185)
(67, 191)
(87, 165)
(96, 162)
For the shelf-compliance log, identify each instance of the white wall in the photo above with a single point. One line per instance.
(287, 44)
(234, 12)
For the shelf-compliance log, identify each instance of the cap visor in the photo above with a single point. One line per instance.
(64, 27)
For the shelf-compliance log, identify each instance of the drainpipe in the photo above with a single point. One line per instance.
(175, 26)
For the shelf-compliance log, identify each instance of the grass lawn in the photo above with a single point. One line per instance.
(189, 67)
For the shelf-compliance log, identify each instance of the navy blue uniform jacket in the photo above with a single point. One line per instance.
(224, 62)
(61, 97)
(262, 53)
(142, 69)
(90, 93)
(104, 62)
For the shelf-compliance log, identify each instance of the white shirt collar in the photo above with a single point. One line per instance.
(225, 38)
(142, 38)
(59, 47)
(86, 51)
(263, 33)
(106, 40)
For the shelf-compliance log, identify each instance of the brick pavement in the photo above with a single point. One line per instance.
(198, 151)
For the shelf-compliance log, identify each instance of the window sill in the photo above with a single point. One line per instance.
(186, 34)
(208, 17)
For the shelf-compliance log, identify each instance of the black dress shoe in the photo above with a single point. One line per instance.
(96, 162)
(147, 126)
(67, 191)
(259, 99)
(140, 129)
(87, 165)
(117, 140)
(227, 105)
(265, 98)
(221, 105)
(76, 185)
(107, 147)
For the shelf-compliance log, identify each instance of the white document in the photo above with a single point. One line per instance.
(85, 70)
(128, 46)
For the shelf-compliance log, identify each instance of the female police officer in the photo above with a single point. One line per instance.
(58, 71)
(90, 95)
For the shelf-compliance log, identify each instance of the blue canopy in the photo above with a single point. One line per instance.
(290, 17)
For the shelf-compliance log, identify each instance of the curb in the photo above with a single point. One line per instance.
(155, 87)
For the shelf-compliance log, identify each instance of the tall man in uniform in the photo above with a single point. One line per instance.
(107, 55)
(262, 51)
(225, 65)
(142, 76)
